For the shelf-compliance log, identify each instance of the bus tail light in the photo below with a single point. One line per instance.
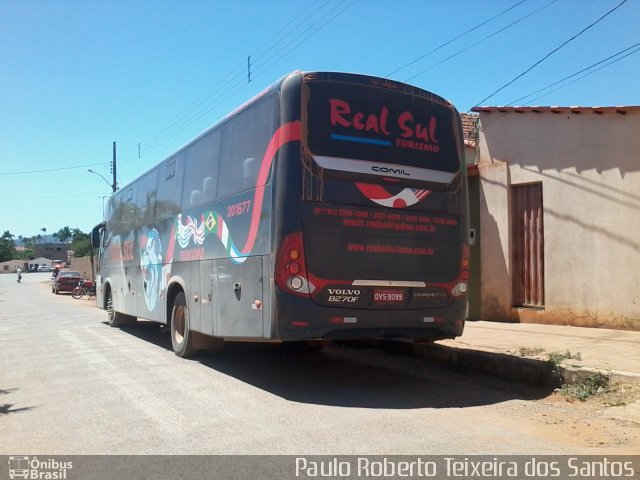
(465, 259)
(460, 289)
(291, 270)
(462, 286)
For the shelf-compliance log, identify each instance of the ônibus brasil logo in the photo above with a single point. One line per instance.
(35, 469)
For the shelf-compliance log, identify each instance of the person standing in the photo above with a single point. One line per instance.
(19, 272)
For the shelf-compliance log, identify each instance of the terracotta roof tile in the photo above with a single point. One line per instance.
(555, 109)
(469, 122)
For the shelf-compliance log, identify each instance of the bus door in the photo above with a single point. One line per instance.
(239, 297)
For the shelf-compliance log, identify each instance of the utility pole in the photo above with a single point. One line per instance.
(114, 186)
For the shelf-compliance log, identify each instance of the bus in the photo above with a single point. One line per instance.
(332, 206)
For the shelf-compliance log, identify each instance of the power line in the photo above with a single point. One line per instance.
(481, 40)
(490, 121)
(193, 113)
(588, 73)
(159, 137)
(513, 102)
(307, 33)
(223, 91)
(454, 39)
(53, 169)
(551, 53)
(288, 31)
(55, 196)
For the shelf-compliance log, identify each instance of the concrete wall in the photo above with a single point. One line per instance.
(10, 266)
(82, 265)
(589, 166)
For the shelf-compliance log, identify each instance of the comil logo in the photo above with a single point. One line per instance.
(395, 171)
(32, 468)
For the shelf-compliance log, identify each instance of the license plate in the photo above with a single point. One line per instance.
(388, 296)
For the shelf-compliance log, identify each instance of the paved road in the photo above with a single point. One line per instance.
(70, 384)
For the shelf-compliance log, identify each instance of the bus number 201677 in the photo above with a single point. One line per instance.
(238, 208)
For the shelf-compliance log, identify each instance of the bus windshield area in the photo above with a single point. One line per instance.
(383, 127)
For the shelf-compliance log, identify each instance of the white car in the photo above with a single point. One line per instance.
(44, 268)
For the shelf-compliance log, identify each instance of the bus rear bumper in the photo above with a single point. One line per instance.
(300, 322)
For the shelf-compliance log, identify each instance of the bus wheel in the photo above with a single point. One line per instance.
(117, 319)
(181, 336)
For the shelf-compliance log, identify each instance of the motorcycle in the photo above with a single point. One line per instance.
(85, 287)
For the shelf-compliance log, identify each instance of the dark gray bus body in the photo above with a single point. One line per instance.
(331, 206)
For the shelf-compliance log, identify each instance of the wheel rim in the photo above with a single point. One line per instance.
(179, 322)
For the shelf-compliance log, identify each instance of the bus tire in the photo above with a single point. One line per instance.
(117, 319)
(181, 335)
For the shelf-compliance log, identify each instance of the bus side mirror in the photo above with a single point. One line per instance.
(95, 237)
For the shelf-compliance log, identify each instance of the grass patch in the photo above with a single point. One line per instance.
(530, 352)
(590, 386)
(554, 359)
(557, 357)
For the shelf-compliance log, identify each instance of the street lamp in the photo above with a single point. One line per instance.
(113, 186)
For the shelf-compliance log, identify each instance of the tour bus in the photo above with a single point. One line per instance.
(332, 206)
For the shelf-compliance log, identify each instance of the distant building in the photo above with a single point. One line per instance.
(38, 262)
(50, 251)
(10, 266)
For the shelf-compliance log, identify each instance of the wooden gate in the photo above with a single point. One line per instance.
(528, 245)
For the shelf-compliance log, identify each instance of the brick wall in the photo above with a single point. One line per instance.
(82, 265)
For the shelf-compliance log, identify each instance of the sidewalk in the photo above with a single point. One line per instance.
(521, 351)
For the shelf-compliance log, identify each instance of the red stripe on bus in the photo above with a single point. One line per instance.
(289, 132)
(372, 191)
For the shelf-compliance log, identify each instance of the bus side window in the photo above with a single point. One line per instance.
(113, 212)
(200, 170)
(249, 172)
(127, 210)
(146, 198)
(195, 198)
(245, 141)
(169, 189)
(208, 189)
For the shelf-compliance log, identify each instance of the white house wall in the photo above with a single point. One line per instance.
(589, 166)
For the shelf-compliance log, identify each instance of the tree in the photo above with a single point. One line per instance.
(6, 252)
(64, 234)
(80, 244)
(8, 236)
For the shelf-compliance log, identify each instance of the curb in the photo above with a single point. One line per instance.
(572, 374)
(523, 370)
(519, 369)
(510, 367)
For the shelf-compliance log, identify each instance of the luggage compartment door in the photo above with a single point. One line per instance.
(239, 298)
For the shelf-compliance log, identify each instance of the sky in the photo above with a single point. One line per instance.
(78, 75)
